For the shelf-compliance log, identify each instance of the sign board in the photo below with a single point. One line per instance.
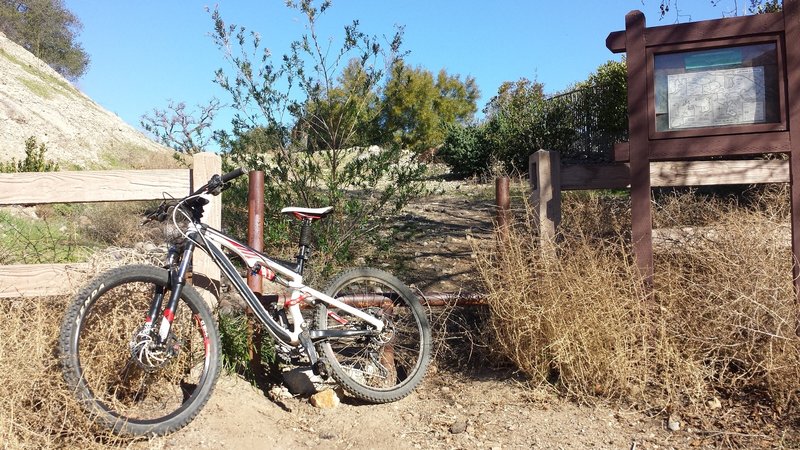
(716, 88)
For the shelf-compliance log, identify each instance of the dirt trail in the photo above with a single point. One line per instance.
(447, 411)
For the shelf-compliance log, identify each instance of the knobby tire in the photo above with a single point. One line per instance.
(98, 365)
(383, 368)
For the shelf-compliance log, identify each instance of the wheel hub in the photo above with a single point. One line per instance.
(148, 354)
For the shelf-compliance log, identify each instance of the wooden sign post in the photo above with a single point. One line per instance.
(714, 88)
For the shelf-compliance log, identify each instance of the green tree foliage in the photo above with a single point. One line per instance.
(34, 161)
(765, 6)
(418, 107)
(514, 117)
(308, 120)
(582, 124)
(47, 29)
(514, 95)
(603, 100)
(347, 115)
(466, 149)
(727, 8)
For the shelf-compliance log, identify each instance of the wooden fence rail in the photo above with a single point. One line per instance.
(548, 177)
(31, 280)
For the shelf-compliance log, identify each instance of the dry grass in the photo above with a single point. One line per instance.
(118, 224)
(37, 411)
(720, 322)
(459, 338)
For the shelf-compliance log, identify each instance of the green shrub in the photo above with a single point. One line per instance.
(465, 150)
(34, 161)
(316, 146)
(236, 357)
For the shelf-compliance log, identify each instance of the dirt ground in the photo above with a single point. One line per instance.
(472, 408)
(448, 411)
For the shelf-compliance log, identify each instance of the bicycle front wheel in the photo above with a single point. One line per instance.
(380, 368)
(123, 379)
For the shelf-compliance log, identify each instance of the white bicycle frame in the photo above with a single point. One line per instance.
(212, 241)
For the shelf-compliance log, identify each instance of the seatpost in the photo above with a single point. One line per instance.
(305, 244)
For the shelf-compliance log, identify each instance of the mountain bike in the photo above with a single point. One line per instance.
(140, 347)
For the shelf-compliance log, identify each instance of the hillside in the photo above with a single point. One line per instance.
(36, 101)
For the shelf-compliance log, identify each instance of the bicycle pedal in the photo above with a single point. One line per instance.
(321, 368)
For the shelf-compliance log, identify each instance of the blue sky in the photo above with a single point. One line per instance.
(148, 51)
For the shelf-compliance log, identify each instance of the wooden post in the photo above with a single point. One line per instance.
(502, 206)
(255, 227)
(205, 274)
(544, 172)
(642, 232)
(791, 17)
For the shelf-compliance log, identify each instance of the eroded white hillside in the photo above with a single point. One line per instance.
(36, 101)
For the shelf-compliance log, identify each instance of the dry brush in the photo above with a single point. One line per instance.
(719, 322)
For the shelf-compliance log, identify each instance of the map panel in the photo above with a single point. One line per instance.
(716, 97)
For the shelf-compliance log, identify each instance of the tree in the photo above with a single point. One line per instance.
(604, 99)
(417, 108)
(47, 29)
(728, 9)
(466, 150)
(347, 114)
(519, 120)
(514, 94)
(307, 120)
(765, 6)
(582, 124)
(186, 132)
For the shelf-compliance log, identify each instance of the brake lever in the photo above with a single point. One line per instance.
(159, 214)
(215, 185)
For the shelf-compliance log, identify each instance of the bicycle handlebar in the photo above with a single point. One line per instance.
(237, 172)
(217, 182)
(213, 187)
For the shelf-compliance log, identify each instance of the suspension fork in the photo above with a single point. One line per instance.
(158, 296)
(177, 280)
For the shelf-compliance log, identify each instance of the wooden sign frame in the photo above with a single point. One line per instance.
(647, 144)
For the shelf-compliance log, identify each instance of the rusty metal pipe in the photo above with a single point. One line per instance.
(255, 224)
(437, 299)
(503, 204)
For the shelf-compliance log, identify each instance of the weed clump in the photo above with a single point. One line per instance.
(719, 322)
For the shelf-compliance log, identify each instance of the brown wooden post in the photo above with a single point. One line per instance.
(502, 205)
(255, 224)
(642, 232)
(791, 17)
(544, 172)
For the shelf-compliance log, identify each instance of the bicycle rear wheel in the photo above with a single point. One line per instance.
(382, 368)
(123, 380)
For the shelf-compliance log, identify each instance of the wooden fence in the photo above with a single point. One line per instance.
(31, 280)
(548, 177)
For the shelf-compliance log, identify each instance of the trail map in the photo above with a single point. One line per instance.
(716, 97)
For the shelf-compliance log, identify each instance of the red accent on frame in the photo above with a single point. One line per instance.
(169, 315)
(296, 301)
(337, 317)
(267, 273)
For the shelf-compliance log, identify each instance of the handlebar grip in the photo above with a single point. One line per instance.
(233, 174)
